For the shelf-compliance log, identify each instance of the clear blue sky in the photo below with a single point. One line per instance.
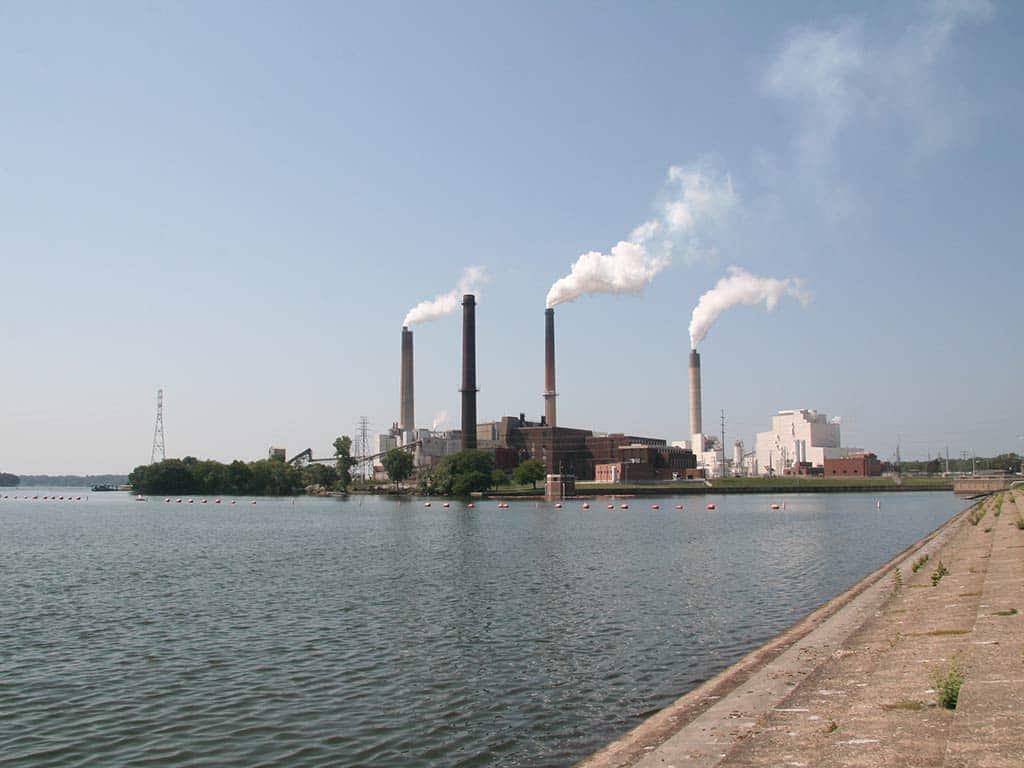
(240, 201)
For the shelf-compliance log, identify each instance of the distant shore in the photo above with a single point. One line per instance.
(748, 485)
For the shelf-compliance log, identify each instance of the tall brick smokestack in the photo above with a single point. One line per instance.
(468, 371)
(549, 368)
(407, 413)
(696, 427)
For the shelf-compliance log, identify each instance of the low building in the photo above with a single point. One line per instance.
(856, 465)
(276, 454)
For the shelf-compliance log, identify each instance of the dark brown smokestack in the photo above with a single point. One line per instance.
(468, 371)
(549, 368)
(407, 413)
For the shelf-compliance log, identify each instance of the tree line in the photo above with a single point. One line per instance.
(267, 477)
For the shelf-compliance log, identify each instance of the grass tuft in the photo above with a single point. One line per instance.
(1009, 612)
(910, 705)
(918, 563)
(947, 684)
(940, 571)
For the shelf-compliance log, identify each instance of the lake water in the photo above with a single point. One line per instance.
(322, 632)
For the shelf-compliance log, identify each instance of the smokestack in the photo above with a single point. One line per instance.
(468, 371)
(696, 427)
(549, 368)
(406, 413)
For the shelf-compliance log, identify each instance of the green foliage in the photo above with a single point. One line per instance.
(530, 471)
(398, 464)
(977, 514)
(8, 480)
(1019, 522)
(190, 475)
(940, 571)
(343, 453)
(947, 684)
(463, 473)
(319, 474)
(498, 478)
(897, 581)
(918, 563)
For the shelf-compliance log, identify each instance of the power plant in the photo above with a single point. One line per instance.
(566, 452)
(571, 453)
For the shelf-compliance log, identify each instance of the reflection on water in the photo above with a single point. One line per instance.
(372, 632)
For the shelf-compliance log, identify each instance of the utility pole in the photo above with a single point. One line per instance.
(723, 443)
(947, 459)
(158, 430)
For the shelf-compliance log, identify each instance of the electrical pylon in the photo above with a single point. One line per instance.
(158, 430)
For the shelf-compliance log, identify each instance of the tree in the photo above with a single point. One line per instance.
(463, 473)
(398, 464)
(9, 480)
(343, 453)
(319, 474)
(530, 471)
(498, 478)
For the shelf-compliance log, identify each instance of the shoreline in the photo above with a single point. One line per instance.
(745, 692)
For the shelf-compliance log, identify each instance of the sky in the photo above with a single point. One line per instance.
(240, 202)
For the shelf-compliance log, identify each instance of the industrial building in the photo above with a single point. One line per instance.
(854, 465)
(565, 451)
(798, 440)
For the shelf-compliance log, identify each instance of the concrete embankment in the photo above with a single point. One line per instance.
(854, 683)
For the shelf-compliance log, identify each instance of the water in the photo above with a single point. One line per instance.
(368, 632)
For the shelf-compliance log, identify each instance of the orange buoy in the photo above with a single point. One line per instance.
(233, 501)
(203, 501)
(586, 506)
(711, 506)
(446, 505)
(679, 506)
(426, 504)
(611, 506)
(558, 506)
(775, 506)
(470, 505)
(217, 501)
(655, 506)
(624, 506)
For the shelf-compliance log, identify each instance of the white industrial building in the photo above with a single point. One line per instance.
(799, 436)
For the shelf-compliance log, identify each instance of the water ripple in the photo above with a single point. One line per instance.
(371, 633)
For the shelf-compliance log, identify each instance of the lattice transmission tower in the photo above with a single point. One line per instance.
(158, 430)
(363, 448)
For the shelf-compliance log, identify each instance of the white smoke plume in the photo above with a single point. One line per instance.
(449, 302)
(440, 419)
(699, 198)
(741, 287)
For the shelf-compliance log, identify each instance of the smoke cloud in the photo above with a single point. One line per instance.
(699, 200)
(741, 287)
(440, 419)
(447, 303)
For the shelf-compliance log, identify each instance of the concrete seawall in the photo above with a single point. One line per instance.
(851, 684)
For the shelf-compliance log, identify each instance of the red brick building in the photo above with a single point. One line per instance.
(858, 465)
